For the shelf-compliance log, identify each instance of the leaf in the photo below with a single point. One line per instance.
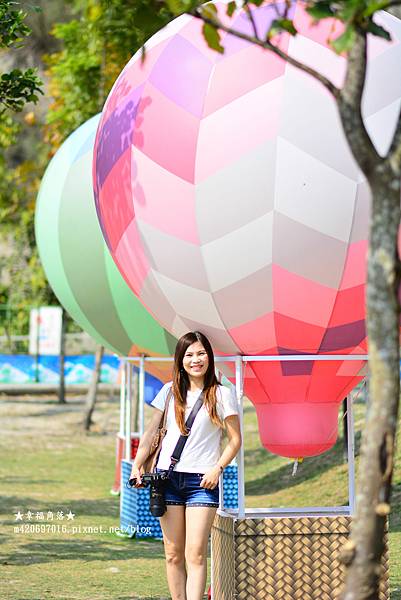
(282, 25)
(320, 10)
(212, 37)
(374, 6)
(231, 7)
(345, 42)
(176, 6)
(349, 10)
(378, 31)
(209, 11)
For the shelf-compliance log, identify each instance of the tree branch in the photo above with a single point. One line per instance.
(252, 20)
(267, 45)
(349, 105)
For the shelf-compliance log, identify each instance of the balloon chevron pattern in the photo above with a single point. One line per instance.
(231, 203)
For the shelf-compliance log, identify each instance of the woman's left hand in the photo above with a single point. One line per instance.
(210, 479)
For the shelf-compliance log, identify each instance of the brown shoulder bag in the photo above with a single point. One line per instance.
(149, 465)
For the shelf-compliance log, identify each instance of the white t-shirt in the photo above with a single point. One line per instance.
(202, 449)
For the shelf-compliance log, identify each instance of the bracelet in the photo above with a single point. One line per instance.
(221, 469)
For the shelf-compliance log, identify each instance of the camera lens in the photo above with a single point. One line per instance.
(157, 504)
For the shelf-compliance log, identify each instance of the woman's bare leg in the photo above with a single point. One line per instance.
(198, 523)
(173, 527)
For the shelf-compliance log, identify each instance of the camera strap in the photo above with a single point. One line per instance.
(182, 440)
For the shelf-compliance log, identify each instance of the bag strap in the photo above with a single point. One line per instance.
(182, 440)
(162, 425)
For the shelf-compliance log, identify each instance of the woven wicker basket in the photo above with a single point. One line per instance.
(280, 558)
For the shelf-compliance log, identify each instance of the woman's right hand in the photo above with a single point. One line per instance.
(136, 472)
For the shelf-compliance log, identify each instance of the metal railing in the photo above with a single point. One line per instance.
(239, 361)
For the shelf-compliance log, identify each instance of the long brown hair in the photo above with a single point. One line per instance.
(181, 381)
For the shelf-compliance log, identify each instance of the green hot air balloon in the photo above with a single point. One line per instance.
(76, 259)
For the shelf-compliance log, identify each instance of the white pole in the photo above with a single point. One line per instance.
(141, 395)
(221, 479)
(239, 385)
(128, 412)
(122, 398)
(351, 455)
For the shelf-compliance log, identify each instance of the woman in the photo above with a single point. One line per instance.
(192, 493)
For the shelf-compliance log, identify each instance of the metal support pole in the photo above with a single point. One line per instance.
(239, 386)
(351, 455)
(122, 398)
(135, 404)
(239, 381)
(128, 379)
(141, 395)
(221, 478)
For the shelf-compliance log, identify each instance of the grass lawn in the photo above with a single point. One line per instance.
(49, 465)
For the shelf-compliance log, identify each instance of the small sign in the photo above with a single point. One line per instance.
(45, 325)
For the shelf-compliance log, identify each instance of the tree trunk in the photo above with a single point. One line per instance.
(61, 387)
(92, 392)
(363, 551)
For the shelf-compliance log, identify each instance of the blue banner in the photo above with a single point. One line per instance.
(23, 368)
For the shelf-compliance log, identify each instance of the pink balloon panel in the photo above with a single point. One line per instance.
(305, 421)
(230, 202)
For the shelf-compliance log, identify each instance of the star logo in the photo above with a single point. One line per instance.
(70, 516)
(19, 516)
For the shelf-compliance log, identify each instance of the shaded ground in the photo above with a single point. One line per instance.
(48, 465)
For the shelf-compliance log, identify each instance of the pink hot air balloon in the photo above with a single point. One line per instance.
(231, 203)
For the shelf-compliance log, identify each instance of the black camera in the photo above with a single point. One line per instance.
(149, 479)
(157, 504)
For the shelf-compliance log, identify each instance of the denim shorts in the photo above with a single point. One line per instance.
(184, 489)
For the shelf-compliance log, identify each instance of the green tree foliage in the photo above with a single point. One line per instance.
(354, 14)
(16, 87)
(23, 282)
(12, 26)
(96, 45)
(89, 44)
